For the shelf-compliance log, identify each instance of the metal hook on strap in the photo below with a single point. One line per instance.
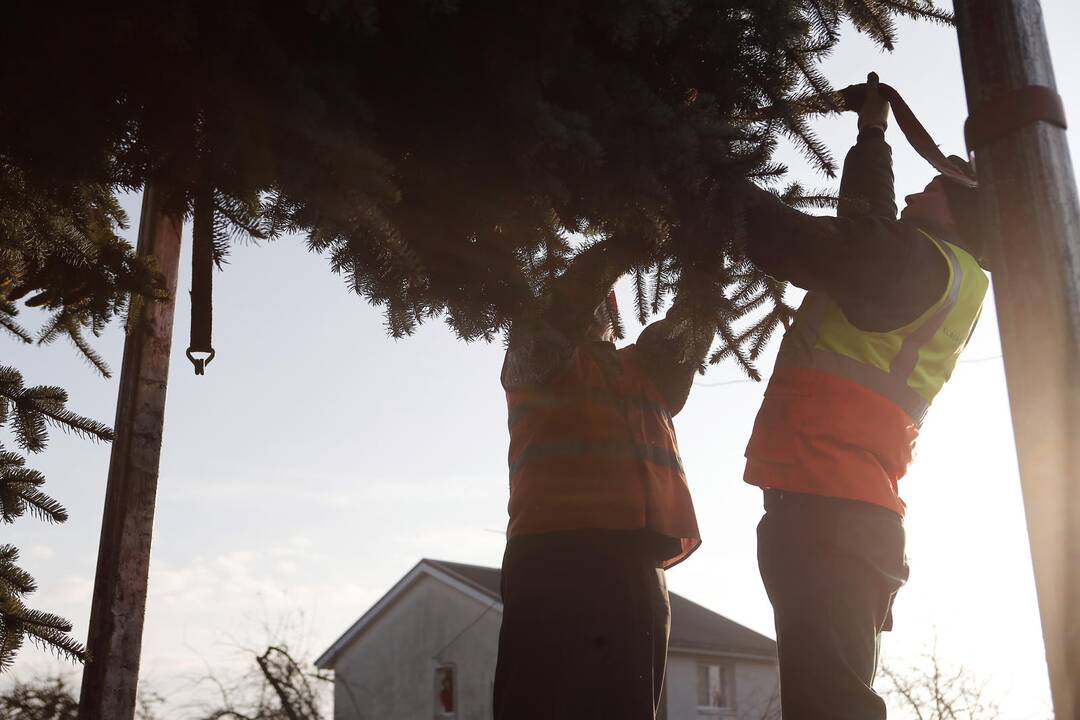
(200, 363)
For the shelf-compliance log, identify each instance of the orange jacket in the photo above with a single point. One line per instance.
(825, 435)
(595, 449)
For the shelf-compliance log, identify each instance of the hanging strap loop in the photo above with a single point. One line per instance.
(202, 280)
(200, 363)
(1012, 110)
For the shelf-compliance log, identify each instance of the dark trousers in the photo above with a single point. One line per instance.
(831, 568)
(585, 628)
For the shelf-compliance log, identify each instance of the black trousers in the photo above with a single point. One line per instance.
(585, 628)
(831, 568)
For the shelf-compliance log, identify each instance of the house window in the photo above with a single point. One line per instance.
(445, 692)
(715, 689)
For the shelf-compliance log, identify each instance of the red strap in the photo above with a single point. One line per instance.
(1011, 111)
(613, 302)
(917, 135)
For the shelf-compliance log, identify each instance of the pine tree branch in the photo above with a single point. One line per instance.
(872, 20)
(35, 406)
(14, 581)
(50, 632)
(88, 352)
(920, 10)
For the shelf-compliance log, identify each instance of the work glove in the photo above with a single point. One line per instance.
(875, 108)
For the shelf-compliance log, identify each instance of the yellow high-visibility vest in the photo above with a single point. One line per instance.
(908, 365)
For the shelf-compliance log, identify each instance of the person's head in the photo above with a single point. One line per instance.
(602, 328)
(951, 209)
(930, 207)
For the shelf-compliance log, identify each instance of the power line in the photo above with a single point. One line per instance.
(744, 381)
(982, 359)
(740, 381)
(466, 629)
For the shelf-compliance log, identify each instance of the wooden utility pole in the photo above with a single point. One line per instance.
(1029, 202)
(114, 644)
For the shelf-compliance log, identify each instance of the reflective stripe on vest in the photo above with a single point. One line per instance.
(908, 365)
(616, 450)
(553, 400)
(594, 447)
(609, 410)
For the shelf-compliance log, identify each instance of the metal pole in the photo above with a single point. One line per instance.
(1029, 201)
(110, 678)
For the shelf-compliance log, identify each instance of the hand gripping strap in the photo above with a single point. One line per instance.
(917, 135)
(1012, 110)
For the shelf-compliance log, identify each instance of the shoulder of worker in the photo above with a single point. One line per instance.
(920, 271)
(535, 352)
(926, 249)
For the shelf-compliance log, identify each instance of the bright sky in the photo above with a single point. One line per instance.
(317, 461)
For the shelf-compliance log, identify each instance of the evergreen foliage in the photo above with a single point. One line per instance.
(56, 697)
(27, 412)
(60, 252)
(442, 153)
(276, 686)
(447, 156)
(40, 699)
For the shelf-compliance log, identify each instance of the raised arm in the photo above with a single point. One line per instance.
(859, 262)
(575, 295)
(670, 351)
(541, 345)
(865, 257)
(867, 185)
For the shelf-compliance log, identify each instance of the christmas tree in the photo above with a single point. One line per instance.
(450, 157)
(444, 154)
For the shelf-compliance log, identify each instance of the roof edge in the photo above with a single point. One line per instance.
(430, 568)
(443, 565)
(731, 654)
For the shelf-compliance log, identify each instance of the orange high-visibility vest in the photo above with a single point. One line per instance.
(596, 450)
(844, 405)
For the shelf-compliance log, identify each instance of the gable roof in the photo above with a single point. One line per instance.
(424, 568)
(485, 579)
(693, 627)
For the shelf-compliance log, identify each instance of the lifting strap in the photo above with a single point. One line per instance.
(1005, 113)
(1012, 110)
(202, 279)
(920, 139)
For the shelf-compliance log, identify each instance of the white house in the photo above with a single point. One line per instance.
(427, 651)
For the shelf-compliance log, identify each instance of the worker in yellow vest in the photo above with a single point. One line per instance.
(890, 306)
(599, 504)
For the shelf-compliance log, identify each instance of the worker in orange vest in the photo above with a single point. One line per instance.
(599, 505)
(890, 306)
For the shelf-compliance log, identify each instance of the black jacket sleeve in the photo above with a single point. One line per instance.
(670, 356)
(882, 272)
(867, 185)
(539, 346)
